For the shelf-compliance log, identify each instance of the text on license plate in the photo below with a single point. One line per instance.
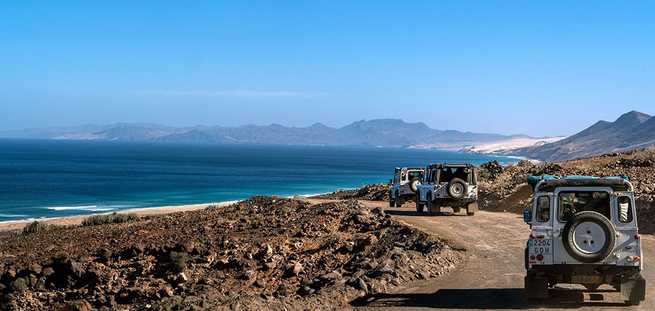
(540, 246)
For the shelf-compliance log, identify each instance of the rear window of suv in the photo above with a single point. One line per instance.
(572, 202)
(415, 175)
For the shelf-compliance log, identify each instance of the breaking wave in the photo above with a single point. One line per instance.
(90, 208)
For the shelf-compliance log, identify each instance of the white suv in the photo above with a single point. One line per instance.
(404, 184)
(583, 231)
(454, 185)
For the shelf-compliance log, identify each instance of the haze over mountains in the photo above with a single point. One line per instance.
(631, 130)
(378, 132)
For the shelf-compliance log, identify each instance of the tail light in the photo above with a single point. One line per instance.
(637, 237)
(540, 257)
(633, 258)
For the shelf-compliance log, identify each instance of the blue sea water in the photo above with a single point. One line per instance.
(45, 178)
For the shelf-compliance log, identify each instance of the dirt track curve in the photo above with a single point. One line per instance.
(492, 276)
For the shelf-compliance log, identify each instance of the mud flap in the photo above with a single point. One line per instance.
(633, 290)
(536, 287)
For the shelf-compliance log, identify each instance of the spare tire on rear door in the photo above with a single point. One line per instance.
(457, 188)
(413, 185)
(589, 237)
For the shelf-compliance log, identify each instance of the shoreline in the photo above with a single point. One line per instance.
(11, 225)
(18, 224)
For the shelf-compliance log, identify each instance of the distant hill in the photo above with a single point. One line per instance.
(631, 130)
(377, 132)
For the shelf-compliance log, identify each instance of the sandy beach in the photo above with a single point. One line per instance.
(77, 219)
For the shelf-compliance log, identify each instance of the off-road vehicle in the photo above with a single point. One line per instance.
(454, 185)
(583, 231)
(404, 184)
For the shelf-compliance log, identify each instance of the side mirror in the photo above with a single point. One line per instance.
(527, 216)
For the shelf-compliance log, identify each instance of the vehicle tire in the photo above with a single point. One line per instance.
(428, 203)
(419, 205)
(457, 188)
(633, 290)
(471, 208)
(392, 202)
(399, 200)
(420, 208)
(456, 210)
(536, 288)
(589, 237)
(413, 185)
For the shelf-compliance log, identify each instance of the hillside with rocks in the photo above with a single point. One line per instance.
(264, 252)
(631, 130)
(506, 188)
(373, 192)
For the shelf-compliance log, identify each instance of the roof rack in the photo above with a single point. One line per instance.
(550, 182)
(442, 165)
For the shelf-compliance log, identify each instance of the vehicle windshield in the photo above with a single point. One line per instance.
(572, 202)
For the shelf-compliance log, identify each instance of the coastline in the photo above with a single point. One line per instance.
(18, 224)
(11, 225)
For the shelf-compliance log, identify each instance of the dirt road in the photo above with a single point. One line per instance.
(492, 276)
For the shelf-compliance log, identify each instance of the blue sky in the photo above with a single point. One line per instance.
(533, 67)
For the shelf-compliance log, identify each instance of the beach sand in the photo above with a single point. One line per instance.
(77, 219)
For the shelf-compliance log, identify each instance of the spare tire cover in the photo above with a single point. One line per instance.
(413, 185)
(457, 188)
(589, 237)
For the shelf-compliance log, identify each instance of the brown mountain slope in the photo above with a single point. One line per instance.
(631, 130)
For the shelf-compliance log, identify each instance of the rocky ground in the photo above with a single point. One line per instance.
(373, 192)
(272, 252)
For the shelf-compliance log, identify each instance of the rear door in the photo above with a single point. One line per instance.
(567, 203)
(540, 245)
(628, 242)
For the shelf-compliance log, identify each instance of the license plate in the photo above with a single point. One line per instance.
(587, 279)
(540, 246)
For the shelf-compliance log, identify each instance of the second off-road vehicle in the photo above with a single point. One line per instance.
(454, 185)
(404, 184)
(583, 231)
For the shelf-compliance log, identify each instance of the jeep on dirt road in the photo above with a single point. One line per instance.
(583, 231)
(454, 185)
(404, 184)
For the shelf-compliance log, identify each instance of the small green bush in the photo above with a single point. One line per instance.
(113, 218)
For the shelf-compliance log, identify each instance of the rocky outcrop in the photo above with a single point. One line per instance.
(263, 252)
(372, 192)
(509, 191)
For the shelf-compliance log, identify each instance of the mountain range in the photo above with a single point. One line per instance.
(630, 131)
(377, 132)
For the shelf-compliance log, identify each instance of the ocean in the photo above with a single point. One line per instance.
(50, 178)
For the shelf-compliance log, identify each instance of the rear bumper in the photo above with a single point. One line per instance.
(585, 274)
